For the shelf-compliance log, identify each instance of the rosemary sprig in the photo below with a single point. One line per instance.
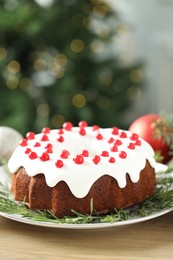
(161, 200)
(158, 157)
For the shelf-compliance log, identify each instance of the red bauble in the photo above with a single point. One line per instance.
(145, 126)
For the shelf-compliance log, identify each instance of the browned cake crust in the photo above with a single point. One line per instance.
(105, 193)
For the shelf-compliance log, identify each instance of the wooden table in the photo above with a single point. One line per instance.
(152, 239)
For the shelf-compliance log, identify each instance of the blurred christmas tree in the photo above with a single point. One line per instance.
(62, 62)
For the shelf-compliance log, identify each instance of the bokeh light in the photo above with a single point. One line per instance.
(79, 100)
(65, 58)
(3, 53)
(12, 82)
(13, 67)
(136, 76)
(26, 84)
(57, 120)
(103, 102)
(77, 45)
(134, 93)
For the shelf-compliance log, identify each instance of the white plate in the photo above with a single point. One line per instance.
(25, 220)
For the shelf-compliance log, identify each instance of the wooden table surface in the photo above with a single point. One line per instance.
(152, 239)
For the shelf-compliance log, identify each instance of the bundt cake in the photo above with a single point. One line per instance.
(63, 169)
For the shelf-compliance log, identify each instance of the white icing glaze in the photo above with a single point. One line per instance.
(80, 177)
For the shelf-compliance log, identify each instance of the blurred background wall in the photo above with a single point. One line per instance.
(152, 27)
(106, 62)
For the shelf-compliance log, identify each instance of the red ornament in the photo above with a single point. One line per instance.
(122, 155)
(44, 157)
(64, 154)
(33, 155)
(59, 164)
(67, 126)
(79, 159)
(145, 126)
(96, 159)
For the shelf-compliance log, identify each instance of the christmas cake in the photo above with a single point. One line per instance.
(63, 169)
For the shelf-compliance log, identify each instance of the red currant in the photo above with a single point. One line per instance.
(123, 135)
(67, 126)
(23, 142)
(60, 139)
(83, 124)
(28, 150)
(60, 131)
(79, 159)
(49, 146)
(33, 155)
(49, 150)
(105, 153)
(111, 140)
(45, 157)
(96, 159)
(37, 144)
(118, 142)
(59, 164)
(134, 136)
(44, 138)
(138, 142)
(122, 155)
(114, 148)
(99, 137)
(85, 153)
(46, 130)
(30, 135)
(131, 146)
(82, 131)
(64, 154)
(115, 131)
(95, 127)
(111, 159)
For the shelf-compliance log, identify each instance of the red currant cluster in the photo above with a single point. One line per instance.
(80, 158)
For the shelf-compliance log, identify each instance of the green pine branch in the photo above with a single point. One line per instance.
(164, 128)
